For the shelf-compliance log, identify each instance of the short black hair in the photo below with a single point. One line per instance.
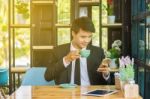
(83, 23)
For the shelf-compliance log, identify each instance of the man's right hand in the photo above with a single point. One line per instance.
(71, 56)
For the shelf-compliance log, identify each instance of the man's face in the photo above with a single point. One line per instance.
(81, 39)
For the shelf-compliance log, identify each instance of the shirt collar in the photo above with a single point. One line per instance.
(72, 48)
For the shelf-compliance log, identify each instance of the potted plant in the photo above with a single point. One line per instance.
(114, 53)
(126, 70)
(110, 11)
(22, 9)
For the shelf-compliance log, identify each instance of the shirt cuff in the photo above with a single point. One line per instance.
(65, 64)
(106, 77)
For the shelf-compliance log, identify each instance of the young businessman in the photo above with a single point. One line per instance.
(63, 68)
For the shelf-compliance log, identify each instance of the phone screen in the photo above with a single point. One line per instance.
(100, 92)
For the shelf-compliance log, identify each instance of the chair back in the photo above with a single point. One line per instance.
(3, 76)
(35, 77)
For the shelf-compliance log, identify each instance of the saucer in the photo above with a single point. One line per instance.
(67, 85)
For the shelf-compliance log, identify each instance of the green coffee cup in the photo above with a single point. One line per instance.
(85, 53)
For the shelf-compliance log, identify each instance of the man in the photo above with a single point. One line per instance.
(64, 58)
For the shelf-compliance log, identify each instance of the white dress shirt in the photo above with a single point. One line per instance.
(84, 78)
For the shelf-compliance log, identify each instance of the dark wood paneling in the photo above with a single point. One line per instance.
(42, 31)
(114, 34)
(118, 10)
(42, 21)
(41, 58)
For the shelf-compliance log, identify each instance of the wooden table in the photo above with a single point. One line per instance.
(55, 92)
(19, 69)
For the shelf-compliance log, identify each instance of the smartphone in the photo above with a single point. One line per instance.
(100, 92)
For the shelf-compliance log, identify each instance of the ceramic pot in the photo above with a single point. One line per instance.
(20, 19)
(111, 19)
(112, 63)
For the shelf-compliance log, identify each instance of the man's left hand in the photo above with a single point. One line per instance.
(104, 69)
(104, 66)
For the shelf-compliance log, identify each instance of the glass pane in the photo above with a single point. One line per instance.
(141, 80)
(147, 6)
(134, 10)
(104, 12)
(95, 19)
(4, 33)
(104, 21)
(105, 38)
(63, 11)
(22, 47)
(141, 5)
(4, 48)
(141, 41)
(63, 35)
(22, 11)
(134, 39)
(148, 45)
(147, 84)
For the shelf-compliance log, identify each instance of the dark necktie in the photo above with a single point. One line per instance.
(77, 72)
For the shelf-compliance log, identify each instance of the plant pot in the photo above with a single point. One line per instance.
(20, 19)
(112, 63)
(111, 19)
(148, 19)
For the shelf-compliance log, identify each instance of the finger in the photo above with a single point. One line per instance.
(76, 52)
(76, 57)
(103, 66)
(105, 72)
(103, 69)
(99, 70)
(73, 57)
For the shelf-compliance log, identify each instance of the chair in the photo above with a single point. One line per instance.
(3, 76)
(35, 77)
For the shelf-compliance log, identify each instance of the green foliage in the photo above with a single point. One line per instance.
(109, 7)
(1, 19)
(4, 27)
(63, 12)
(126, 69)
(127, 73)
(22, 47)
(3, 33)
(22, 8)
(148, 6)
(6, 90)
(114, 53)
